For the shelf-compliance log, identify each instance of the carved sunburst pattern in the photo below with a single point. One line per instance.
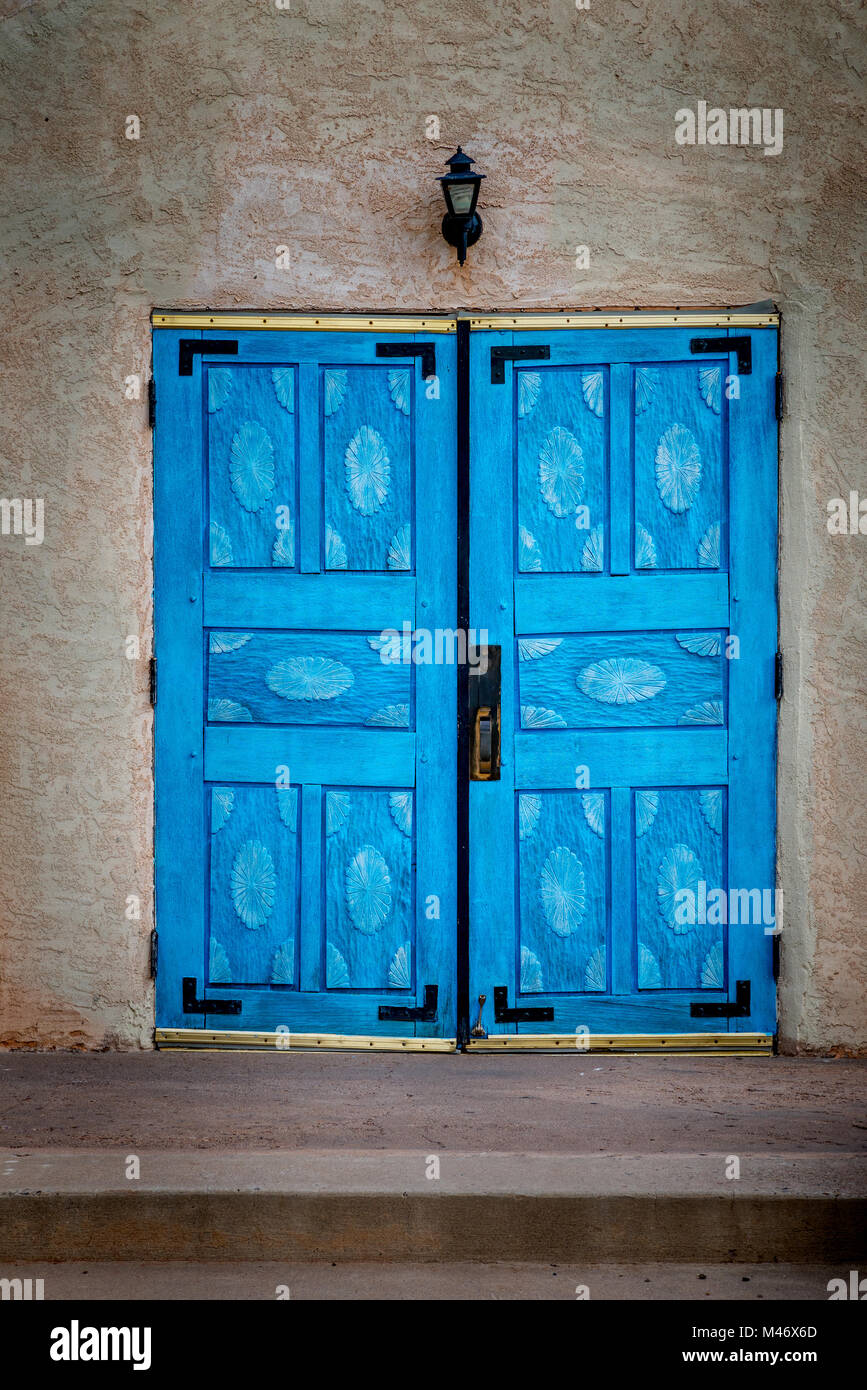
(284, 386)
(368, 471)
(708, 548)
(254, 884)
(336, 969)
(399, 552)
(400, 969)
(709, 384)
(309, 678)
(399, 388)
(595, 972)
(700, 643)
(593, 391)
(283, 964)
(337, 808)
(593, 805)
(529, 555)
(219, 388)
(368, 890)
(529, 810)
(593, 553)
(678, 468)
(680, 870)
(529, 386)
(646, 807)
(561, 472)
(621, 680)
(531, 972)
(562, 891)
(221, 546)
(335, 550)
(645, 549)
(222, 803)
(251, 466)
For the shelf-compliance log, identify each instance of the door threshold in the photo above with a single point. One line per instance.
(229, 1040)
(683, 1044)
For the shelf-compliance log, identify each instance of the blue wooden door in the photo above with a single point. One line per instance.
(622, 554)
(305, 767)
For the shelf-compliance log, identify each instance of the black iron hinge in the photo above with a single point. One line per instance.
(779, 395)
(503, 1014)
(742, 346)
(188, 346)
(426, 351)
(192, 1005)
(152, 402)
(152, 681)
(155, 949)
(778, 676)
(739, 1009)
(501, 355)
(406, 1013)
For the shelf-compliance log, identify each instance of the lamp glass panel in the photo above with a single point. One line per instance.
(461, 195)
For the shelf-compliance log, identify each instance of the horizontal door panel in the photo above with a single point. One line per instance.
(591, 603)
(291, 1011)
(666, 1013)
(368, 602)
(350, 757)
(621, 758)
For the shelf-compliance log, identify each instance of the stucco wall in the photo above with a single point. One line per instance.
(307, 127)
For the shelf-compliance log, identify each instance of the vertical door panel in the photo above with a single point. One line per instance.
(616, 489)
(306, 497)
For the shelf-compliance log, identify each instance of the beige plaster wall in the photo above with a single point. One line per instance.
(306, 127)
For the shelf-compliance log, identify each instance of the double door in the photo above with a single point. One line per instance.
(465, 643)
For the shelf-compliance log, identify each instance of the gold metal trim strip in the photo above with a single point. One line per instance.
(215, 1040)
(543, 323)
(318, 323)
(680, 1044)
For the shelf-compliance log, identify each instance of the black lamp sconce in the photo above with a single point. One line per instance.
(462, 225)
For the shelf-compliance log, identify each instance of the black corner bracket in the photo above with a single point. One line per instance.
(188, 346)
(503, 1014)
(426, 351)
(742, 346)
(192, 1005)
(501, 355)
(739, 1009)
(405, 1013)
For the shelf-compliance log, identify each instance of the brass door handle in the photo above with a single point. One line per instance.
(485, 719)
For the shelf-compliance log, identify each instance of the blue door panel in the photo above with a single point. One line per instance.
(623, 532)
(304, 502)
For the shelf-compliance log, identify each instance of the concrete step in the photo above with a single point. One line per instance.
(309, 1205)
(359, 1281)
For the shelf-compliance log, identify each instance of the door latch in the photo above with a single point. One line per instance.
(484, 684)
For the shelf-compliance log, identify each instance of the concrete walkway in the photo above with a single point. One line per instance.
(582, 1103)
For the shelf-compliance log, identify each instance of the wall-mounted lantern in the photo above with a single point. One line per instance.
(462, 225)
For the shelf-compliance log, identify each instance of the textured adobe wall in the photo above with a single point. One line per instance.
(306, 127)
